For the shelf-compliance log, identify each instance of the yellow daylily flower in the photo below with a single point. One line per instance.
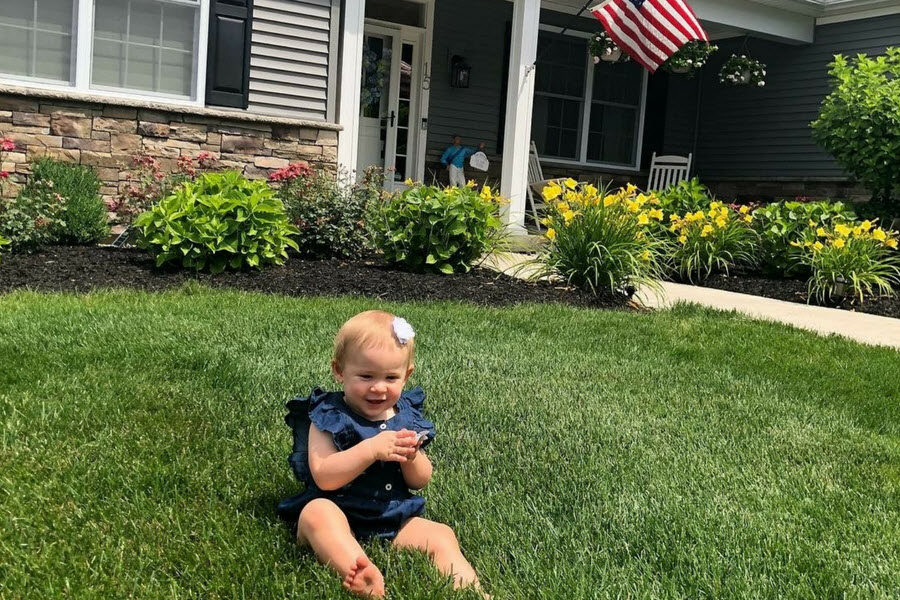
(721, 222)
(745, 209)
(674, 217)
(486, 193)
(643, 219)
(821, 232)
(812, 223)
(634, 207)
(879, 234)
(408, 181)
(838, 243)
(866, 225)
(630, 188)
(656, 214)
(715, 205)
(551, 234)
(675, 227)
(471, 184)
(551, 191)
(707, 229)
(563, 207)
(818, 245)
(748, 218)
(891, 243)
(590, 190)
(568, 216)
(570, 183)
(682, 239)
(608, 200)
(645, 255)
(842, 230)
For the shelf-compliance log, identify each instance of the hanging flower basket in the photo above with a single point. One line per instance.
(742, 70)
(689, 58)
(603, 48)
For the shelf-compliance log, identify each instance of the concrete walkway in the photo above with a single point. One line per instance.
(868, 329)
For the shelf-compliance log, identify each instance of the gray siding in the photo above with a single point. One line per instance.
(289, 58)
(476, 30)
(764, 132)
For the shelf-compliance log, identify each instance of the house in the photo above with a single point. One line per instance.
(388, 82)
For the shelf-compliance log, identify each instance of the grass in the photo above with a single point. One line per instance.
(580, 454)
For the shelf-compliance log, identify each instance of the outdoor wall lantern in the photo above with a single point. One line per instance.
(459, 72)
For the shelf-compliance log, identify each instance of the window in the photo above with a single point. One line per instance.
(145, 47)
(559, 96)
(584, 112)
(36, 39)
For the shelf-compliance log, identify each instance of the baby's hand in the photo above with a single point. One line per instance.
(393, 446)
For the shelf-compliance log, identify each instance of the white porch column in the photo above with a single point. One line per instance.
(350, 70)
(519, 103)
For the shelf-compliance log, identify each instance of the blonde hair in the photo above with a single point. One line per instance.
(369, 329)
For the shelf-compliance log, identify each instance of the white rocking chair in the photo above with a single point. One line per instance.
(536, 183)
(666, 171)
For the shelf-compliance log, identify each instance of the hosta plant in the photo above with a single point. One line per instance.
(685, 196)
(781, 223)
(859, 260)
(710, 241)
(600, 238)
(220, 220)
(439, 230)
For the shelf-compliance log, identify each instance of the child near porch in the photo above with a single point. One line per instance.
(360, 452)
(454, 158)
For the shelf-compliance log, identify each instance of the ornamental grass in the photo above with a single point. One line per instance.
(599, 238)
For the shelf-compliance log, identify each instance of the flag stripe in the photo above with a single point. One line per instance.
(619, 10)
(649, 31)
(624, 42)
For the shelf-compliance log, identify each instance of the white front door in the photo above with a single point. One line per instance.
(389, 103)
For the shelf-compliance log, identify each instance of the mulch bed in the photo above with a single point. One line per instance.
(86, 268)
(795, 290)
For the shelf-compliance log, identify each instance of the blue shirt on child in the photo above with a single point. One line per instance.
(457, 155)
(378, 501)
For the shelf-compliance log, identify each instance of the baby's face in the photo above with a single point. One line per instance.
(373, 379)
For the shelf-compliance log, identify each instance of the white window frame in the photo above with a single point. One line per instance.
(82, 55)
(587, 103)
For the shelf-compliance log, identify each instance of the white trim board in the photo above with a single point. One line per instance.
(859, 15)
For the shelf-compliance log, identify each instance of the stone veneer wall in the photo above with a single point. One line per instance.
(106, 136)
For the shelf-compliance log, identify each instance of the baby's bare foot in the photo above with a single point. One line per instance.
(364, 579)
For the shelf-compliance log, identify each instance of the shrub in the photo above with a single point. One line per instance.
(85, 220)
(148, 183)
(861, 259)
(333, 217)
(221, 220)
(710, 241)
(33, 218)
(434, 229)
(686, 196)
(781, 223)
(858, 121)
(600, 239)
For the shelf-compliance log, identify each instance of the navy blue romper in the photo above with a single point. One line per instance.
(378, 501)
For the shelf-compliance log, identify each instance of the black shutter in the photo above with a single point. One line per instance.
(228, 64)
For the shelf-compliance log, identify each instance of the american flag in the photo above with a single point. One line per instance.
(649, 31)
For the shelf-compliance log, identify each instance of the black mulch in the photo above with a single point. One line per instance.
(795, 290)
(86, 268)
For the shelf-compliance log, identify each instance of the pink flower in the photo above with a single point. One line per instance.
(4, 174)
(6, 144)
(291, 172)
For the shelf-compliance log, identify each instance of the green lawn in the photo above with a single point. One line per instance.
(580, 454)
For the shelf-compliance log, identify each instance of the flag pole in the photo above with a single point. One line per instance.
(565, 29)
